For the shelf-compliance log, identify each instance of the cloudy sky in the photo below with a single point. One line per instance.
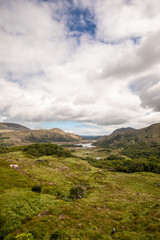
(86, 66)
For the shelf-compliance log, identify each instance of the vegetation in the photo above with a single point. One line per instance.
(138, 139)
(38, 150)
(37, 189)
(78, 191)
(4, 149)
(127, 165)
(46, 149)
(75, 197)
(142, 150)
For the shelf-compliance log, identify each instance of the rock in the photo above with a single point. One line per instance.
(51, 183)
(61, 216)
(157, 184)
(15, 166)
(113, 231)
(39, 160)
(47, 212)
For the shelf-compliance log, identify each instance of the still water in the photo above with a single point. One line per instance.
(85, 145)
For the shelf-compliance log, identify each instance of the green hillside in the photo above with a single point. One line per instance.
(135, 143)
(59, 196)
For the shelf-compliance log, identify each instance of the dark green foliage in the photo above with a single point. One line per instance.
(141, 150)
(37, 150)
(68, 145)
(78, 191)
(4, 149)
(46, 149)
(60, 235)
(37, 188)
(129, 166)
(114, 157)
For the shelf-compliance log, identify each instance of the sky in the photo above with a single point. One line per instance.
(85, 66)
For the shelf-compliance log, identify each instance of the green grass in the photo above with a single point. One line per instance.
(128, 202)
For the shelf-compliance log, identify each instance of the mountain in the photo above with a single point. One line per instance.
(12, 126)
(36, 136)
(146, 137)
(84, 137)
(123, 130)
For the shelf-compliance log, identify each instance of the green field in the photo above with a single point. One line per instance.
(77, 200)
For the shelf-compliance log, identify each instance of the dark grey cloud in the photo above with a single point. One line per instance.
(148, 89)
(44, 70)
(144, 57)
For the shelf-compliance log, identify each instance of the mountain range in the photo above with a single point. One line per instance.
(15, 134)
(128, 136)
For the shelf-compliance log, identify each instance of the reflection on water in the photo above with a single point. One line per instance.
(85, 145)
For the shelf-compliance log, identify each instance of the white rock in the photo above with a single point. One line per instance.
(15, 166)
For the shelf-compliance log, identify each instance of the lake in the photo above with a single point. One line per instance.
(85, 145)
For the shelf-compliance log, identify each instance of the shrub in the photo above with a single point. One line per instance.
(115, 157)
(60, 235)
(37, 189)
(47, 149)
(78, 191)
(24, 236)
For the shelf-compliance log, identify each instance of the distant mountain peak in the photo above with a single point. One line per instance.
(123, 130)
(57, 130)
(125, 137)
(12, 126)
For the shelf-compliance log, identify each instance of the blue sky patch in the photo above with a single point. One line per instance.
(136, 40)
(64, 125)
(81, 21)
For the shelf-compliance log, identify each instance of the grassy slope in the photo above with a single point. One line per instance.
(127, 202)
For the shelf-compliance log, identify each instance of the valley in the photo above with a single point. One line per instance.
(105, 188)
(76, 196)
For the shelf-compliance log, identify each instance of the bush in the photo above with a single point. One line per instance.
(46, 149)
(37, 189)
(60, 235)
(78, 191)
(115, 157)
(128, 166)
(24, 236)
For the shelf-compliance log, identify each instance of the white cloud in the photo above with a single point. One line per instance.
(47, 75)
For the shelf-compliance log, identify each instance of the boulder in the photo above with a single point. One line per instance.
(15, 166)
